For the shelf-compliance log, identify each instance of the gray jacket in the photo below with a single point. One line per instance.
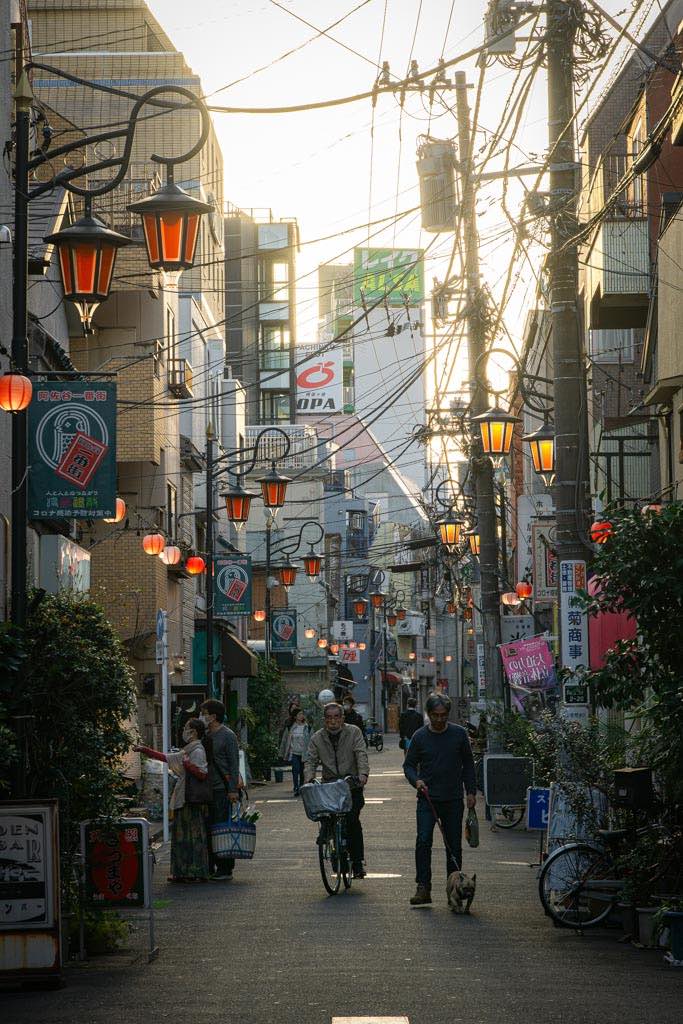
(226, 759)
(349, 758)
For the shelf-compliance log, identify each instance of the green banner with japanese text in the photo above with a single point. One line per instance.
(232, 585)
(394, 276)
(72, 450)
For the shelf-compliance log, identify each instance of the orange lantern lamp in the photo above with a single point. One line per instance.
(287, 574)
(274, 488)
(238, 503)
(120, 512)
(392, 619)
(171, 555)
(312, 564)
(542, 445)
(360, 607)
(259, 615)
(322, 643)
(15, 392)
(401, 614)
(377, 599)
(153, 543)
(195, 565)
(170, 222)
(496, 427)
(601, 532)
(524, 590)
(510, 599)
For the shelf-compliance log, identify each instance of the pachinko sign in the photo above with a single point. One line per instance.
(529, 667)
(320, 383)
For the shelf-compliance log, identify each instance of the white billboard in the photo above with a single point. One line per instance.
(320, 383)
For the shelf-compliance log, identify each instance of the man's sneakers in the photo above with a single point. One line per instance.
(423, 895)
(359, 871)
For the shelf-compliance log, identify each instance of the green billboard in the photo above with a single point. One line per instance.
(72, 450)
(283, 631)
(232, 585)
(392, 275)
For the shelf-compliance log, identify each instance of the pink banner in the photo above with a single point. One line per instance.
(529, 666)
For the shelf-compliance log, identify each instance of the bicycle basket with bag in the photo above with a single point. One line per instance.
(321, 799)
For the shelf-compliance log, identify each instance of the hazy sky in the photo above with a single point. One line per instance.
(327, 168)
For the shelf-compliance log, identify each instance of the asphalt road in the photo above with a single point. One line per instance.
(271, 946)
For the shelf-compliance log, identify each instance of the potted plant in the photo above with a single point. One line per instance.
(670, 915)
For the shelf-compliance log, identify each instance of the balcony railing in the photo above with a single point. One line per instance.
(619, 265)
(307, 448)
(180, 378)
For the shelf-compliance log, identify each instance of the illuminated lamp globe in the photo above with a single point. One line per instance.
(524, 590)
(334, 648)
(322, 643)
(171, 555)
(411, 656)
(170, 223)
(153, 543)
(510, 599)
(542, 445)
(87, 253)
(312, 564)
(450, 528)
(448, 657)
(496, 427)
(432, 659)
(601, 532)
(238, 503)
(120, 512)
(287, 574)
(195, 565)
(362, 646)
(475, 543)
(352, 645)
(325, 697)
(259, 615)
(360, 607)
(274, 488)
(309, 632)
(15, 392)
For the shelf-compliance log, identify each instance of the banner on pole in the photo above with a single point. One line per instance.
(544, 562)
(573, 619)
(529, 667)
(232, 585)
(72, 451)
(283, 631)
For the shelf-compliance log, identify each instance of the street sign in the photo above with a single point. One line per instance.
(161, 626)
(342, 629)
(283, 633)
(576, 693)
(506, 779)
(232, 585)
(537, 807)
(349, 657)
(116, 863)
(481, 670)
(577, 713)
(516, 627)
(161, 650)
(72, 450)
(573, 619)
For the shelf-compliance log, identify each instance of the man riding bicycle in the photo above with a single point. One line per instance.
(340, 750)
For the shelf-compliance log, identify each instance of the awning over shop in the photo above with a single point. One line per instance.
(392, 677)
(230, 654)
(237, 659)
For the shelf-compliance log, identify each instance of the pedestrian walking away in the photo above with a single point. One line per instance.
(409, 722)
(351, 716)
(295, 746)
(439, 760)
(340, 750)
(189, 804)
(225, 776)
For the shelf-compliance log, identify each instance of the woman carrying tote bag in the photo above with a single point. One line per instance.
(188, 805)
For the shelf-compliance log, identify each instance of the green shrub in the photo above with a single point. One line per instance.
(266, 696)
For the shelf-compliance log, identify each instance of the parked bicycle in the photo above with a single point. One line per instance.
(581, 882)
(329, 803)
(374, 736)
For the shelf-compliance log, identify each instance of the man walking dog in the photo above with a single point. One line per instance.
(439, 764)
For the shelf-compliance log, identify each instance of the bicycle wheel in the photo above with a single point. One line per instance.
(569, 886)
(328, 856)
(342, 846)
(508, 816)
(380, 744)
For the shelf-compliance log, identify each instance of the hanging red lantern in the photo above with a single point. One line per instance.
(322, 643)
(377, 599)
(274, 488)
(601, 531)
(510, 599)
(312, 564)
(15, 392)
(153, 543)
(120, 512)
(392, 618)
(334, 648)
(238, 503)
(195, 565)
(171, 555)
(287, 574)
(362, 645)
(524, 590)
(259, 615)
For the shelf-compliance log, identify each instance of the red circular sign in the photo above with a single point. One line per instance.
(316, 376)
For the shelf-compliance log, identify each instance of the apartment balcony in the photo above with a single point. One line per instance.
(677, 122)
(180, 378)
(619, 274)
(307, 448)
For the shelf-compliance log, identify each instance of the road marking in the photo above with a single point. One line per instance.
(371, 874)
(279, 800)
(377, 799)
(370, 1020)
(516, 863)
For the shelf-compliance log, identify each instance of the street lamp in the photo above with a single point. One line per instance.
(312, 564)
(496, 427)
(238, 503)
(475, 543)
(542, 445)
(170, 223)
(392, 619)
(274, 488)
(360, 607)
(376, 599)
(287, 574)
(450, 528)
(259, 615)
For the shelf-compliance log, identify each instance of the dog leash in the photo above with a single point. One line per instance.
(450, 853)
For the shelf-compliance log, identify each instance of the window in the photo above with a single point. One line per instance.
(273, 279)
(613, 346)
(356, 521)
(275, 407)
(275, 347)
(171, 509)
(635, 145)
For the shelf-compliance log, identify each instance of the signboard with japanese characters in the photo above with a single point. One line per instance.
(342, 629)
(320, 383)
(537, 807)
(232, 585)
(529, 667)
(394, 277)
(283, 632)
(30, 927)
(116, 863)
(72, 451)
(573, 620)
(544, 563)
(349, 657)
(481, 670)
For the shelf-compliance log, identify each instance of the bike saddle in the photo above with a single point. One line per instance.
(612, 835)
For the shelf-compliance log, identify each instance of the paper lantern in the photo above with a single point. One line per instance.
(119, 513)
(195, 565)
(15, 392)
(601, 532)
(153, 543)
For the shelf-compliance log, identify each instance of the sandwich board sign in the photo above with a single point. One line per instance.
(537, 808)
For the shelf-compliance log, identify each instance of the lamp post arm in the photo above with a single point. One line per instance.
(64, 178)
(244, 466)
(287, 547)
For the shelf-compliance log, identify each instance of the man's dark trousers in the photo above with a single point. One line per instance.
(450, 812)
(354, 829)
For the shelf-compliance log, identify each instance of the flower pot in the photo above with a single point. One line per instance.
(674, 919)
(645, 926)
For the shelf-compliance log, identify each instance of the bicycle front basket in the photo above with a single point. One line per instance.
(327, 798)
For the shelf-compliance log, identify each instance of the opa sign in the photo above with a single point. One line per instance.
(319, 383)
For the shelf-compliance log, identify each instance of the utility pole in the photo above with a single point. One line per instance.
(209, 563)
(477, 341)
(572, 486)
